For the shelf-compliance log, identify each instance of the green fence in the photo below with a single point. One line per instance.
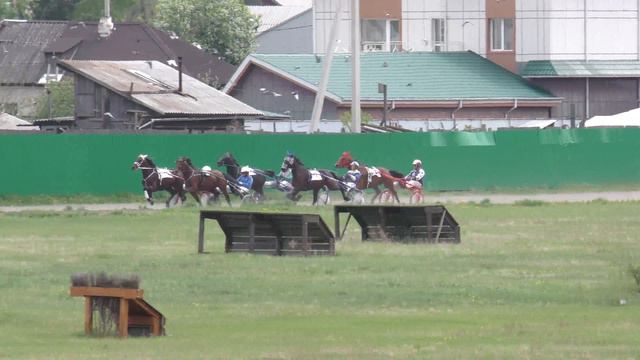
(68, 164)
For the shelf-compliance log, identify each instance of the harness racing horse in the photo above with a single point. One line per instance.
(304, 179)
(200, 183)
(233, 171)
(370, 180)
(158, 179)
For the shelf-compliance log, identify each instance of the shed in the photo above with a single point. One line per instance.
(149, 94)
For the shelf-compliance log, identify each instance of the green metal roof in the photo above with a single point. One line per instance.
(581, 68)
(412, 76)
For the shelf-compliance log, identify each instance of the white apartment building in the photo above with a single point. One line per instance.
(586, 51)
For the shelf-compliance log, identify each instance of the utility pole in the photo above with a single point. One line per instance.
(382, 89)
(355, 55)
(326, 72)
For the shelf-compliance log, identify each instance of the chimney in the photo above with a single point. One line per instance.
(180, 74)
(105, 26)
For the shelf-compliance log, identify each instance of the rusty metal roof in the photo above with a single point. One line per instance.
(154, 85)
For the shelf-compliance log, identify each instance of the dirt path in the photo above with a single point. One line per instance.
(430, 198)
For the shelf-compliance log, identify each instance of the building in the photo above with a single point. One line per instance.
(425, 90)
(584, 51)
(284, 29)
(139, 95)
(29, 50)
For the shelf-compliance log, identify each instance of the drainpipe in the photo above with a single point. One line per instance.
(179, 74)
(453, 113)
(506, 115)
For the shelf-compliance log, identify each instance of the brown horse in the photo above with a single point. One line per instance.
(370, 180)
(202, 183)
(158, 179)
(304, 179)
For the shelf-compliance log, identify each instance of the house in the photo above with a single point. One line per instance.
(29, 50)
(425, 89)
(141, 95)
(23, 63)
(581, 51)
(284, 29)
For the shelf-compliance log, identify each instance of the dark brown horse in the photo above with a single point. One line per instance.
(304, 179)
(370, 180)
(159, 179)
(233, 172)
(202, 184)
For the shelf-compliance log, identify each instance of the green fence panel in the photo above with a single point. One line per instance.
(67, 164)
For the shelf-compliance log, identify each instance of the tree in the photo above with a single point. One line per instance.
(19, 9)
(223, 27)
(53, 9)
(61, 94)
(121, 10)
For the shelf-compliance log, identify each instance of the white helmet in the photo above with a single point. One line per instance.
(206, 168)
(416, 162)
(355, 163)
(245, 169)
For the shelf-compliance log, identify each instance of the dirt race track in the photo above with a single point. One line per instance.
(429, 198)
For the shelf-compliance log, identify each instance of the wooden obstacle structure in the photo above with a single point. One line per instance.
(271, 233)
(135, 316)
(429, 224)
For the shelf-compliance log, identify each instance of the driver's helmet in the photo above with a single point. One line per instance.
(245, 169)
(354, 163)
(206, 168)
(416, 162)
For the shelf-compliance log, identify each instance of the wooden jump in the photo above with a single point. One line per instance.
(420, 223)
(134, 311)
(270, 233)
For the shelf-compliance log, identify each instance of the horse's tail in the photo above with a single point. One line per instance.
(396, 174)
(269, 173)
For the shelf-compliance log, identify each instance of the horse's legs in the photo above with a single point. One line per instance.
(149, 196)
(226, 194)
(315, 196)
(293, 195)
(378, 192)
(171, 196)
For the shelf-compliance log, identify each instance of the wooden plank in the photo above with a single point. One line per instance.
(123, 323)
(201, 234)
(107, 292)
(141, 320)
(88, 315)
(336, 222)
(305, 235)
(444, 214)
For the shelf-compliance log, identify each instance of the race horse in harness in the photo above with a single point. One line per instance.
(202, 183)
(373, 177)
(233, 172)
(159, 179)
(304, 179)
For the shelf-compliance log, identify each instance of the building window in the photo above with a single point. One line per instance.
(438, 34)
(381, 35)
(501, 34)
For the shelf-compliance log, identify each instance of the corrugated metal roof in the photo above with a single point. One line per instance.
(272, 16)
(10, 122)
(581, 68)
(154, 85)
(306, 3)
(22, 59)
(412, 76)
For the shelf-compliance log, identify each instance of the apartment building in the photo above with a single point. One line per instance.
(584, 51)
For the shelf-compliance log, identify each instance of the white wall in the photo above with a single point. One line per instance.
(555, 29)
(465, 24)
(416, 24)
(545, 29)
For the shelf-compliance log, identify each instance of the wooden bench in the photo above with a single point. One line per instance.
(270, 233)
(423, 223)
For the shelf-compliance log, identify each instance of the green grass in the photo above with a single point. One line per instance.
(541, 281)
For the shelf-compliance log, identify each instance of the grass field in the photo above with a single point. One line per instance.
(528, 281)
